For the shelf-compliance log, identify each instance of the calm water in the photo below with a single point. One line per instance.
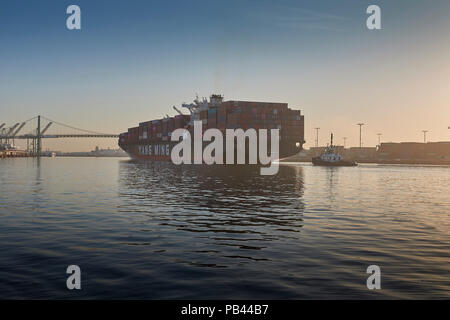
(159, 231)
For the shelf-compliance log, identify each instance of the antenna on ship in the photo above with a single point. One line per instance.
(177, 110)
(331, 139)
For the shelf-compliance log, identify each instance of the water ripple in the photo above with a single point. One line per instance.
(159, 231)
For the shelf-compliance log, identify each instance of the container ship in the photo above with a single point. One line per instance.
(152, 139)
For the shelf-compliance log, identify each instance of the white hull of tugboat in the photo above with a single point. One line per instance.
(317, 161)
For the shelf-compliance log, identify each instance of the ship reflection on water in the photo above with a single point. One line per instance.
(216, 209)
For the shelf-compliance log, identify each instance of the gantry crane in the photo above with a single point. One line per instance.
(46, 127)
(177, 110)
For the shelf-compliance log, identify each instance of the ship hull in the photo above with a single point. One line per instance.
(162, 151)
(317, 161)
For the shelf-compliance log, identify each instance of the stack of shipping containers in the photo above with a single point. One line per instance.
(225, 115)
(245, 115)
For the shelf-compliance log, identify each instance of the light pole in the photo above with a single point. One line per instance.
(360, 134)
(424, 136)
(345, 139)
(379, 138)
(317, 137)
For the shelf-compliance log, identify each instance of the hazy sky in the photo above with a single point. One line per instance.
(133, 60)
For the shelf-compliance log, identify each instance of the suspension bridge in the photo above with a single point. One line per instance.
(37, 128)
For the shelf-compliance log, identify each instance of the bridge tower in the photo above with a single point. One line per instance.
(38, 137)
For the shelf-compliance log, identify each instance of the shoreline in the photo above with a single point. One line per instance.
(377, 161)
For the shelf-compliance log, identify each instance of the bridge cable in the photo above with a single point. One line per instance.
(75, 128)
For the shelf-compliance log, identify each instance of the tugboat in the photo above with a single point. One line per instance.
(331, 158)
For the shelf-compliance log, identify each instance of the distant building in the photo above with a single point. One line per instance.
(364, 153)
(97, 152)
(431, 151)
(108, 152)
